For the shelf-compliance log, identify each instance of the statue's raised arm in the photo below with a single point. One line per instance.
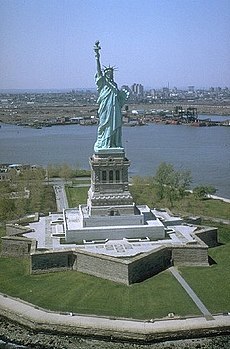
(97, 55)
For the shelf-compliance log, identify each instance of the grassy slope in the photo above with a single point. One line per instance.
(208, 208)
(212, 284)
(145, 192)
(77, 292)
(76, 196)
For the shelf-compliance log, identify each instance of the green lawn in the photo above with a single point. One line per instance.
(76, 196)
(2, 233)
(77, 292)
(80, 181)
(208, 208)
(219, 208)
(145, 192)
(212, 284)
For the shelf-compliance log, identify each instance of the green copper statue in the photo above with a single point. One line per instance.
(110, 102)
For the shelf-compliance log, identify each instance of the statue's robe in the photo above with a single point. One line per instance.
(110, 102)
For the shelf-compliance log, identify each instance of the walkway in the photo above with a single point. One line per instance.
(214, 197)
(192, 294)
(61, 198)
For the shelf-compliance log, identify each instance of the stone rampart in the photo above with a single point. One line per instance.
(122, 270)
(190, 255)
(16, 229)
(46, 261)
(208, 235)
(17, 246)
(149, 264)
(125, 270)
(103, 266)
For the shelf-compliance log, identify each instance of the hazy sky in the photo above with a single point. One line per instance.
(49, 43)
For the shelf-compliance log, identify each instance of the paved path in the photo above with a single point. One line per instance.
(214, 197)
(192, 294)
(40, 319)
(61, 198)
(47, 235)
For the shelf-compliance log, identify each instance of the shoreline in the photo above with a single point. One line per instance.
(14, 335)
(36, 325)
(148, 119)
(149, 113)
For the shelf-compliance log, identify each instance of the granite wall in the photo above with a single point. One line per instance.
(16, 246)
(102, 266)
(43, 262)
(149, 264)
(209, 236)
(190, 255)
(16, 229)
(125, 270)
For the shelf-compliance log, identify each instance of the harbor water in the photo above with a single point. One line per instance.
(205, 151)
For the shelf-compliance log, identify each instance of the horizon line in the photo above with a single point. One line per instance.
(8, 90)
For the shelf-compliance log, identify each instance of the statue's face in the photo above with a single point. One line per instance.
(109, 74)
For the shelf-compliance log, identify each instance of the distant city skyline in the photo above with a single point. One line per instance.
(156, 43)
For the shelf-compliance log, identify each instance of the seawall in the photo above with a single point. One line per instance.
(40, 320)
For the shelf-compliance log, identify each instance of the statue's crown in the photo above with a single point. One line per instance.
(109, 68)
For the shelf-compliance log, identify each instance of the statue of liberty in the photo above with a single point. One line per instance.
(110, 102)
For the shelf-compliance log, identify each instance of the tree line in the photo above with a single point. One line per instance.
(167, 188)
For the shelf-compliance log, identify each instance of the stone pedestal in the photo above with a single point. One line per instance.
(109, 192)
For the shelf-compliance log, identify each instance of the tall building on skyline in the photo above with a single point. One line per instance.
(137, 89)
